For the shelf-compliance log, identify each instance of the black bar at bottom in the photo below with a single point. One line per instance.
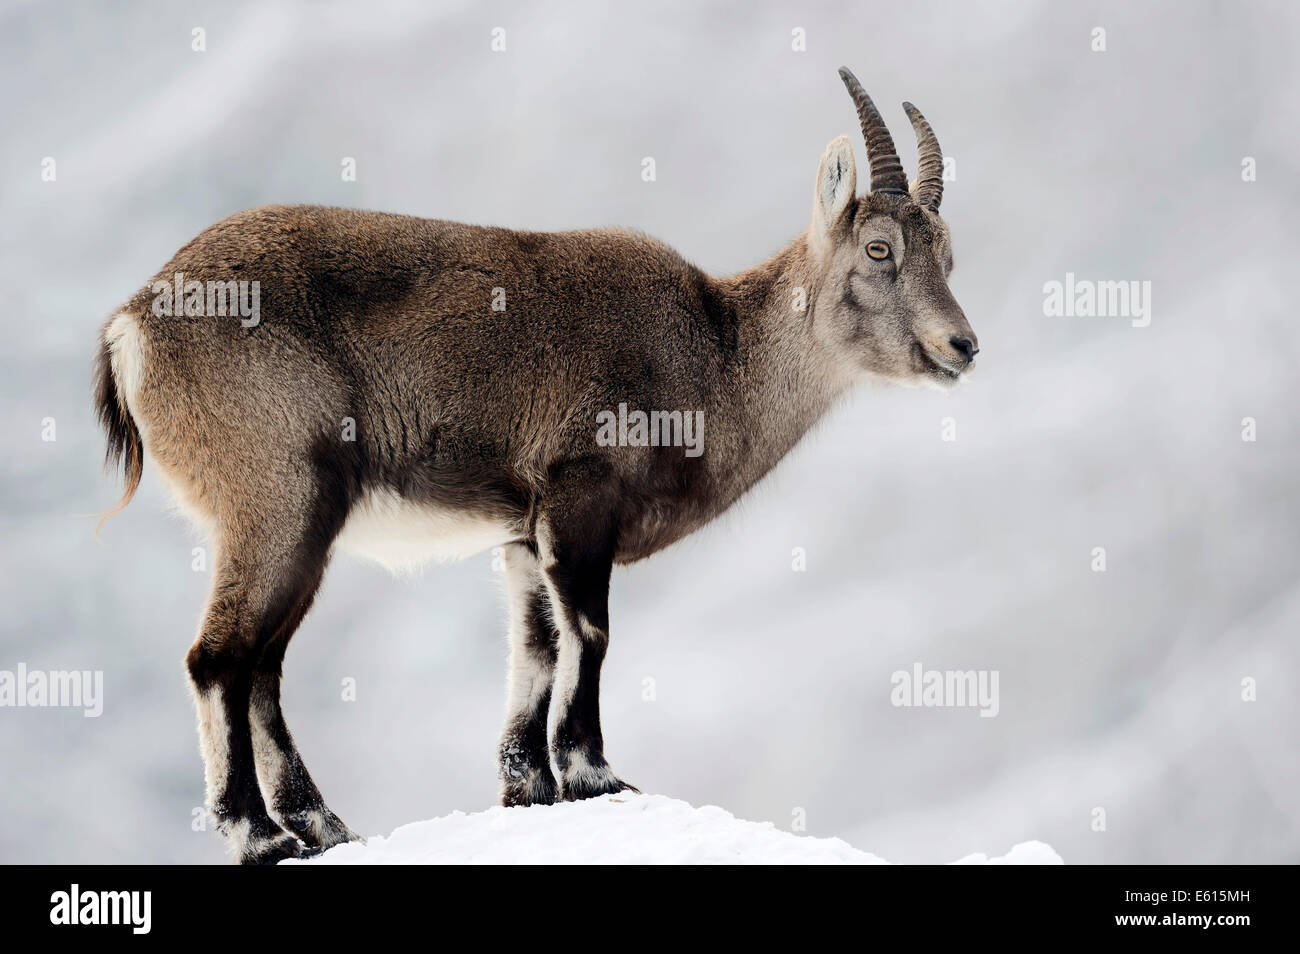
(1224, 903)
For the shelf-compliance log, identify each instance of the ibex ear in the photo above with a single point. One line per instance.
(837, 188)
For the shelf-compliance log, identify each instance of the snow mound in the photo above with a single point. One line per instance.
(617, 829)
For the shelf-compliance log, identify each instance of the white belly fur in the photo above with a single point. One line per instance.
(403, 536)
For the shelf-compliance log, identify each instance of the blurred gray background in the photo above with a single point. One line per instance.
(1119, 690)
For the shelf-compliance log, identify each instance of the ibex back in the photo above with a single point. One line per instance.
(416, 389)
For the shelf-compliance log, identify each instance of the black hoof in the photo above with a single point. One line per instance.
(273, 851)
(580, 789)
(536, 787)
(318, 828)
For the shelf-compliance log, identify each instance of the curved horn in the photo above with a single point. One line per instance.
(886, 171)
(929, 174)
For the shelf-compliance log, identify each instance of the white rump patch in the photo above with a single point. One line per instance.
(403, 536)
(127, 357)
(128, 366)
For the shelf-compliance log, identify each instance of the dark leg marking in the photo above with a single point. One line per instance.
(295, 801)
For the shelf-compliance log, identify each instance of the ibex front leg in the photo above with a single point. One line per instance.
(576, 538)
(524, 759)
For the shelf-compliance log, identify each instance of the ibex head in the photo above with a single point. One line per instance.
(884, 258)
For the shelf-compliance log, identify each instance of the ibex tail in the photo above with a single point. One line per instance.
(125, 449)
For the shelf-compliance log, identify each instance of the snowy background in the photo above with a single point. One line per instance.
(1119, 690)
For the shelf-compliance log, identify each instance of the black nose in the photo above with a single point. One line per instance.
(965, 347)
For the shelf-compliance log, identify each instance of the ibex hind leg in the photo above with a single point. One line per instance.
(221, 664)
(293, 798)
(295, 801)
(262, 587)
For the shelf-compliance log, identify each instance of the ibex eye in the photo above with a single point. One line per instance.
(878, 250)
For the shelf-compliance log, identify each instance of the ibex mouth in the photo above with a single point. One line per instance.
(939, 365)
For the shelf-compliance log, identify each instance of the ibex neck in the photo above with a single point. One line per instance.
(785, 380)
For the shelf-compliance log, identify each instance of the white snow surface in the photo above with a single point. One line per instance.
(618, 829)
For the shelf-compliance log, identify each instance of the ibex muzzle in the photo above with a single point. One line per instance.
(415, 389)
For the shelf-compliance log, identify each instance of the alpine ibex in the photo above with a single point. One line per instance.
(384, 401)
